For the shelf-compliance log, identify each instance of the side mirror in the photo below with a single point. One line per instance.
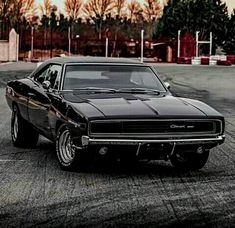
(167, 84)
(46, 85)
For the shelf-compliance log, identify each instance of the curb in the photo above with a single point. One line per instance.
(4, 64)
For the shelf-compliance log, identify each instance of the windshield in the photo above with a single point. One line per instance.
(115, 77)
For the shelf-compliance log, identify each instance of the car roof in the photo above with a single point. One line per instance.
(81, 59)
(92, 60)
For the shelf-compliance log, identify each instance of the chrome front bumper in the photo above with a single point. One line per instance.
(97, 141)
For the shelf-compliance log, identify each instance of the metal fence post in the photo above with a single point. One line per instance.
(210, 43)
(197, 33)
(106, 47)
(32, 40)
(178, 50)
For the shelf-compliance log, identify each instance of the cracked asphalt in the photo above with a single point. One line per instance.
(34, 192)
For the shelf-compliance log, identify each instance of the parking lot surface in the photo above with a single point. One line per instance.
(34, 192)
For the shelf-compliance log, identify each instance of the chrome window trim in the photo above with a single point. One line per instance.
(158, 76)
(41, 67)
(62, 78)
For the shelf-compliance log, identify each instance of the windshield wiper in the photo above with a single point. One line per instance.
(95, 90)
(121, 90)
(139, 90)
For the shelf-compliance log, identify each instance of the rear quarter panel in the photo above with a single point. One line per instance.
(17, 93)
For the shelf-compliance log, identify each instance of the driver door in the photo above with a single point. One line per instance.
(39, 103)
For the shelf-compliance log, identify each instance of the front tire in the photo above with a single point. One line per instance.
(69, 158)
(189, 161)
(22, 133)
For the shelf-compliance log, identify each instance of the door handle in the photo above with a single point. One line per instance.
(31, 95)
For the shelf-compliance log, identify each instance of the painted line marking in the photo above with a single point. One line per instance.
(9, 160)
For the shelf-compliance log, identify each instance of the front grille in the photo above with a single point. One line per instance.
(167, 127)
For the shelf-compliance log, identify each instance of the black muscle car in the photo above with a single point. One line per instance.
(110, 107)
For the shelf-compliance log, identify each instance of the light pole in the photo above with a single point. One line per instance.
(197, 44)
(178, 51)
(69, 38)
(210, 43)
(32, 40)
(1, 30)
(142, 47)
(50, 23)
(106, 43)
(106, 47)
(77, 38)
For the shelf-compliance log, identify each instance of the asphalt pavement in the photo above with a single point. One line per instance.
(35, 192)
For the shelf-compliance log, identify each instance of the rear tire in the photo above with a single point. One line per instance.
(189, 161)
(69, 158)
(22, 133)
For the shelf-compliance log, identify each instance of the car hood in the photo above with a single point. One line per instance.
(138, 106)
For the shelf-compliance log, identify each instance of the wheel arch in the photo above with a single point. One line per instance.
(59, 125)
(14, 104)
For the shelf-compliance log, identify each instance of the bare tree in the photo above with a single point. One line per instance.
(4, 14)
(135, 10)
(45, 8)
(98, 7)
(20, 9)
(73, 8)
(152, 9)
(4, 6)
(120, 6)
(117, 22)
(165, 2)
(97, 10)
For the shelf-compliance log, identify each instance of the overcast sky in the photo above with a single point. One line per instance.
(59, 3)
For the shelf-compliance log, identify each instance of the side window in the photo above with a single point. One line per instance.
(53, 75)
(41, 75)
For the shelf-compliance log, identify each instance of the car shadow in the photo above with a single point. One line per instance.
(106, 167)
